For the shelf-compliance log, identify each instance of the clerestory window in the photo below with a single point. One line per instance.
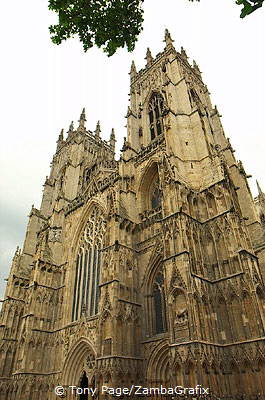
(155, 112)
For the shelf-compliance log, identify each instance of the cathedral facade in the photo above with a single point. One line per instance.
(144, 271)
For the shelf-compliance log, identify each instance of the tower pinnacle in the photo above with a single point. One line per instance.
(112, 134)
(71, 127)
(60, 140)
(98, 130)
(183, 53)
(196, 67)
(112, 140)
(82, 119)
(149, 58)
(133, 71)
(259, 189)
(169, 41)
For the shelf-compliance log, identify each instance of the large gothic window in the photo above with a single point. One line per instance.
(155, 112)
(159, 304)
(86, 286)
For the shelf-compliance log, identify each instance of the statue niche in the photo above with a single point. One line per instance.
(180, 316)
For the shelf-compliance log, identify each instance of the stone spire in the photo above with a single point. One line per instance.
(71, 128)
(169, 41)
(149, 58)
(60, 140)
(183, 53)
(259, 189)
(82, 119)
(112, 140)
(129, 112)
(17, 253)
(15, 260)
(133, 71)
(98, 130)
(196, 67)
(60, 136)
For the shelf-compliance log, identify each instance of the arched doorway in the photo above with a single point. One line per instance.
(158, 369)
(79, 367)
(83, 385)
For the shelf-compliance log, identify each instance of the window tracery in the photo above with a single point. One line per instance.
(155, 112)
(88, 173)
(86, 290)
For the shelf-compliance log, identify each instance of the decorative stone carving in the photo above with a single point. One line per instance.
(55, 234)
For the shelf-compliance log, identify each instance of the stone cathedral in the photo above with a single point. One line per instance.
(148, 270)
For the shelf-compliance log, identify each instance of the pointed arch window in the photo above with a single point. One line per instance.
(159, 304)
(155, 112)
(87, 274)
(88, 172)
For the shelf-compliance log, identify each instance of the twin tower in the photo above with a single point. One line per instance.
(148, 270)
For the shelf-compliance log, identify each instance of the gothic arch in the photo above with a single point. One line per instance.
(148, 96)
(151, 93)
(158, 368)
(179, 314)
(149, 170)
(152, 306)
(74, 364)
(82, 222)
(153, 264)
(211, 203)
(148, 178)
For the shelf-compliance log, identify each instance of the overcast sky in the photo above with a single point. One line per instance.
(44, 87)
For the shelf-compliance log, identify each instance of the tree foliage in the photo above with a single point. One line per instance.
(248, 6)
(110, 24)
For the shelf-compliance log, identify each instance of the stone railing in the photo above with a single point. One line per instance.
(146, 151)
(152, 215)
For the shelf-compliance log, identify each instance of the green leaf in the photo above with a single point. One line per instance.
(108, 24)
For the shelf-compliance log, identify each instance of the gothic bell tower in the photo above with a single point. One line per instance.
(196, 234)
(144, 271)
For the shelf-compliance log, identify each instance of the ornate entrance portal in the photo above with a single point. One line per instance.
(79, 368)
